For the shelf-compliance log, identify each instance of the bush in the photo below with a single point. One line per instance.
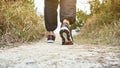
(102, 27)
(81, 18)
(101, 30)
(19, 22)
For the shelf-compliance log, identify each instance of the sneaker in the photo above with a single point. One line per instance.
(51, 39)
(66, 35)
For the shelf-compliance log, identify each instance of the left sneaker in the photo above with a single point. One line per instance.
(66, 34)
(51, 39)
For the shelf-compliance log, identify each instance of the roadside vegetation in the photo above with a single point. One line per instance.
(103, 24)
(19, 22)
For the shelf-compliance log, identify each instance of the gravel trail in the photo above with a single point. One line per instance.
(46, 55)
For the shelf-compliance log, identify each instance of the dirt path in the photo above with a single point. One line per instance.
(46, 55)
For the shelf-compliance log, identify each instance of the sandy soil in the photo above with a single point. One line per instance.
(46, 55)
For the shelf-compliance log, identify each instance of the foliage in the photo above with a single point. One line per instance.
(104, 23)
(19, 22)
(95, 4)
(81, 18)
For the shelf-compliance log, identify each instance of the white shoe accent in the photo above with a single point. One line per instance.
(64, 28)
(50, 41)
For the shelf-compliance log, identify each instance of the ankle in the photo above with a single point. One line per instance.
(51, 33)
(65, 21)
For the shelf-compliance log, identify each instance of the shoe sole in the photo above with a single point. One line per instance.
(50, 41)
(66, 37)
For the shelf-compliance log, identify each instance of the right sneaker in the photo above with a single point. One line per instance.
(51, 39)
(66, 34)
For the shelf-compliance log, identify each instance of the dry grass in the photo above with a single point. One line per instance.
(97, 32)
(19, 22)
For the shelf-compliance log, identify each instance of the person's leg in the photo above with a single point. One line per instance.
(50, 12)
(68, 10)
(50, 16)
(67, 17)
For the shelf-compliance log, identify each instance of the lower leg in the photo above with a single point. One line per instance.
(50, 12)
(51, 33)
(68, 11)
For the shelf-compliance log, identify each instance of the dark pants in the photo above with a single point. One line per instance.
(67, 11)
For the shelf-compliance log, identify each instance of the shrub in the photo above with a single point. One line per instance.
(19, 22)
(102, 27)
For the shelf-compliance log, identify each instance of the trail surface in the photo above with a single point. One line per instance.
(46, 55)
